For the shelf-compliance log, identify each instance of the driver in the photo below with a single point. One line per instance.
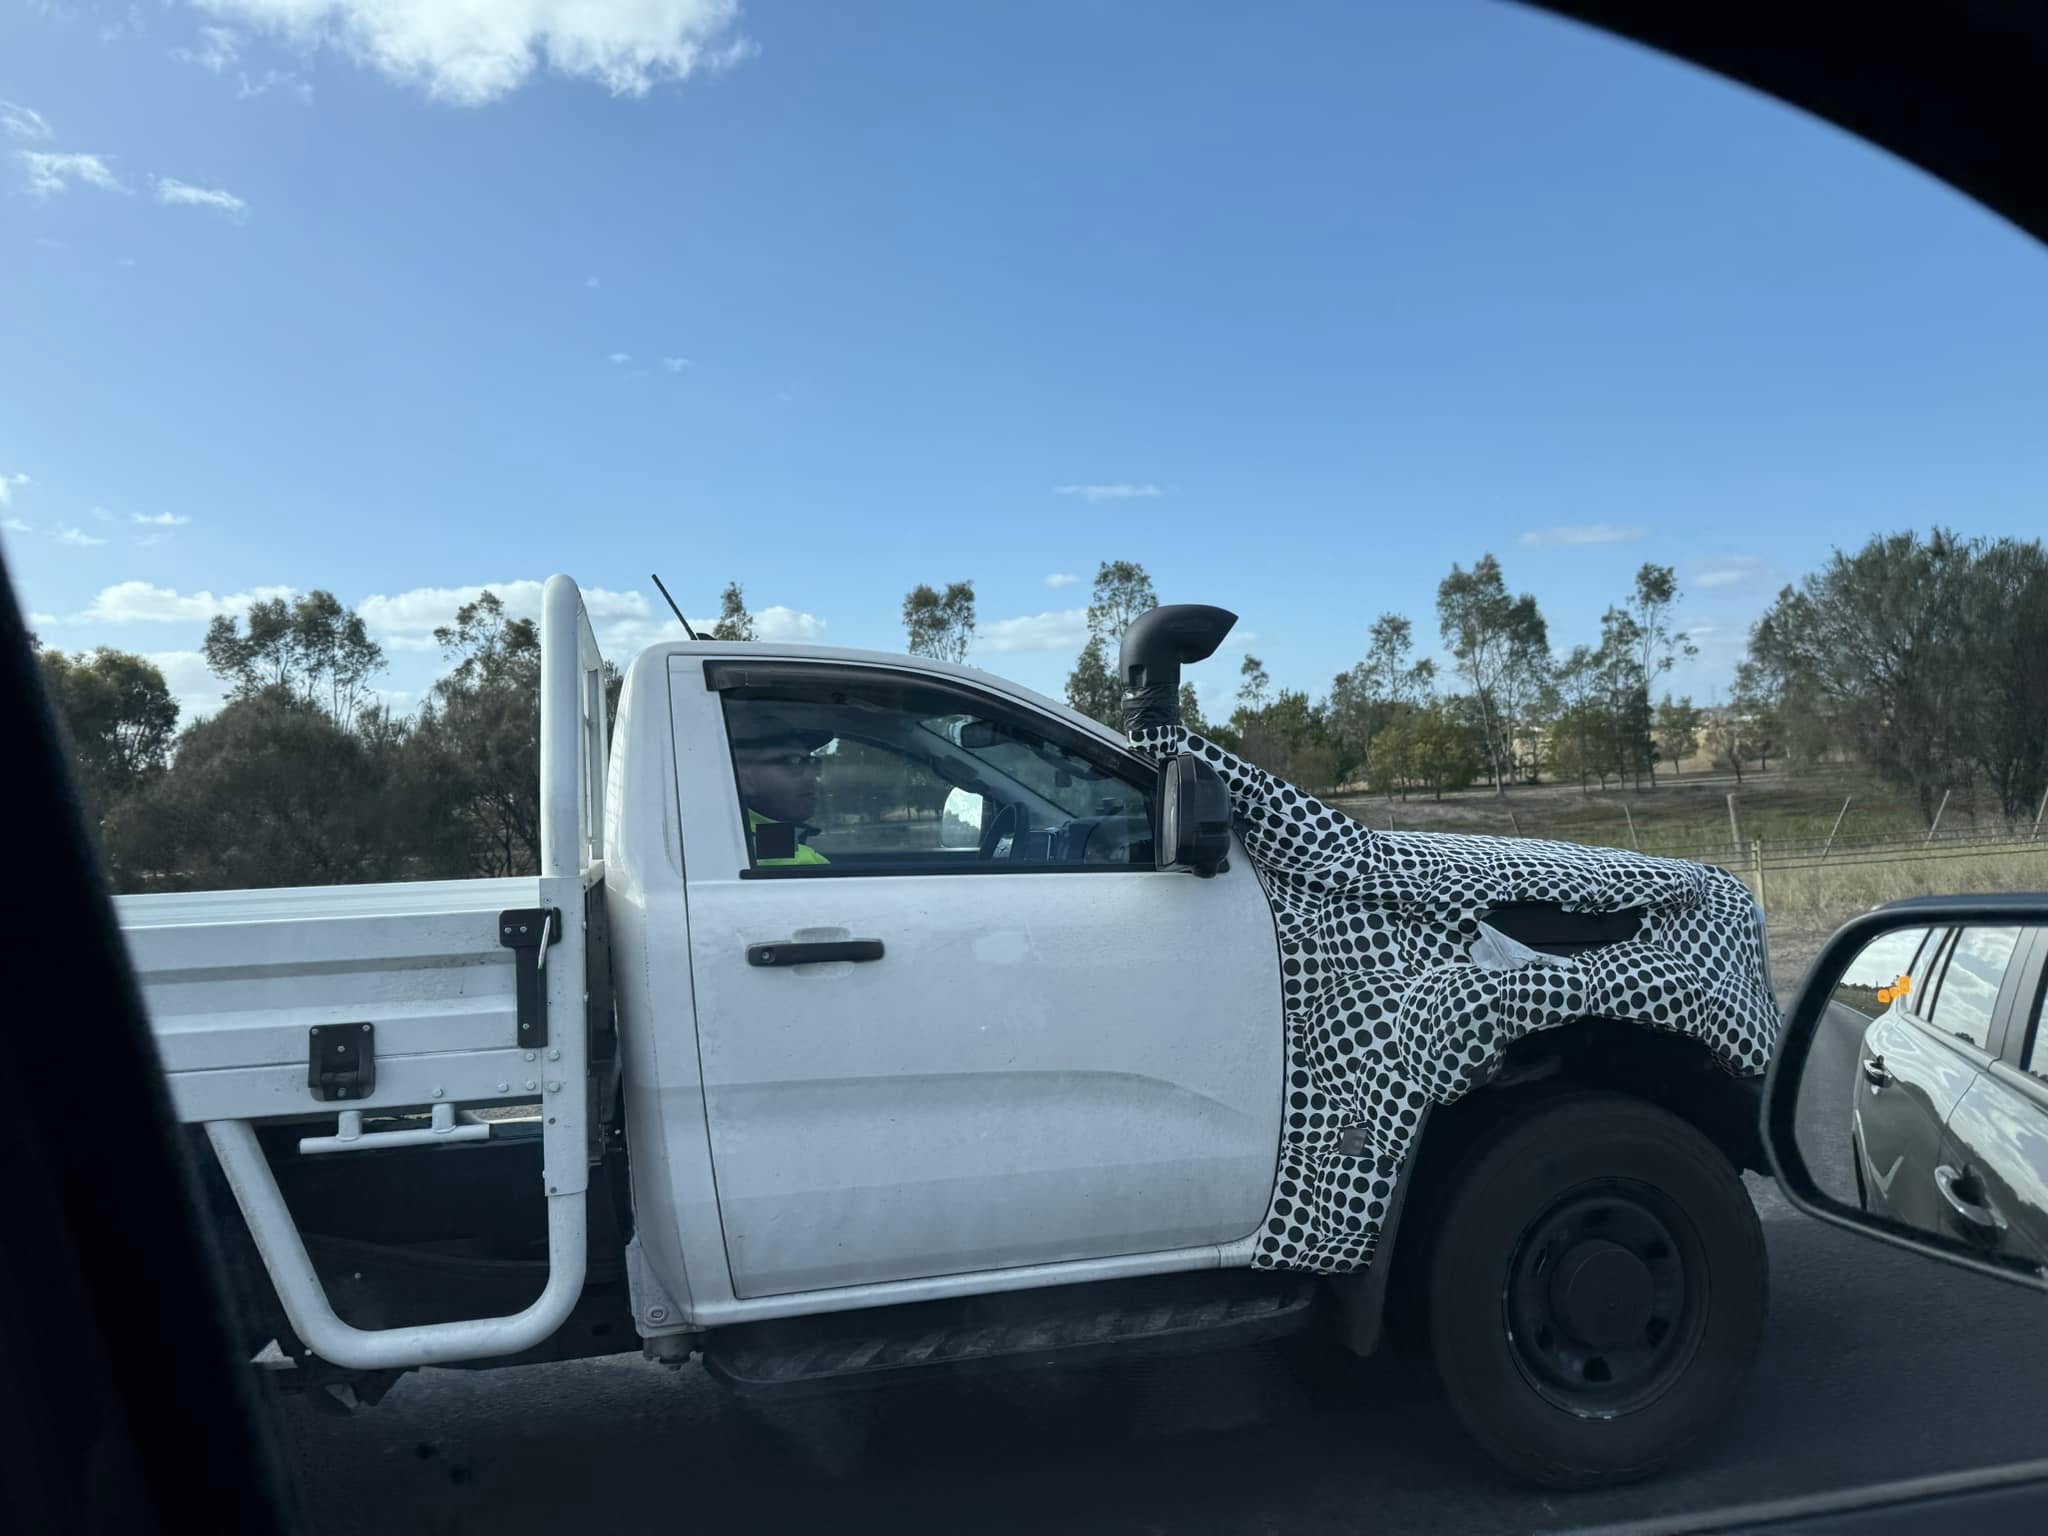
(775, 752)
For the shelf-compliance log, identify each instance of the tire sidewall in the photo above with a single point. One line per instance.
(1519, 1173)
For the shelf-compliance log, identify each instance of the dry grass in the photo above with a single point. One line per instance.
(1806, 904)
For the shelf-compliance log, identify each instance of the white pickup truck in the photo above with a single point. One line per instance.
(871, 1016)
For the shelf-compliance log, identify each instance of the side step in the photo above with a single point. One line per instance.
(1061, 1325)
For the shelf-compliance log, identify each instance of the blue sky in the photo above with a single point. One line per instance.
(1295, 308)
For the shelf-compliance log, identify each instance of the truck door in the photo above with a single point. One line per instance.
(951, 1018)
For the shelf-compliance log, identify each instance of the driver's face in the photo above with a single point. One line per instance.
(780, 782)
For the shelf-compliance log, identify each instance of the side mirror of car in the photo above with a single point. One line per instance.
(1194, 816)
(1907, 1098)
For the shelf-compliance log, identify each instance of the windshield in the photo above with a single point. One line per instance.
(1626, 496)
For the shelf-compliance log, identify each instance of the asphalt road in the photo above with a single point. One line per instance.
(1877, 1364)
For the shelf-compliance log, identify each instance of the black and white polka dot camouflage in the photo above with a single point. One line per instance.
(1390, 1009)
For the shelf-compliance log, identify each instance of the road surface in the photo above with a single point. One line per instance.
(1877, 1364)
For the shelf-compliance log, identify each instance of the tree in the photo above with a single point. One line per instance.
(1122, 592)
(1092, 687)
(940, 625)
(1650, 607)
(1677, 731)
(272, 790)
(1578, 722)
(479, 737)
(1445, 752)
(734, 622)
(1501, 646)
(1874, 652)
(118, 717)
(312, 646)
(1191, 710)
(1255, 688)
(1363, 699)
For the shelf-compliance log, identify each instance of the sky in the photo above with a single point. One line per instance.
(1297, 305)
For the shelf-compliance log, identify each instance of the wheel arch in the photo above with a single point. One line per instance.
(1677, 1072)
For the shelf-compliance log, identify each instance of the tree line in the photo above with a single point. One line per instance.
(1923, 659)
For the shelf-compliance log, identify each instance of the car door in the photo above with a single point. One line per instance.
(1039, 1047)
(1905, 1080)
(1993, 1174)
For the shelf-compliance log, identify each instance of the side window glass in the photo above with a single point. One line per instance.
(1969, 983)
(1884, 973)
(904, 778)
(2037, 1048)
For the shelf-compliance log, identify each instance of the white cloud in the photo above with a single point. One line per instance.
(1064, 630)
(676, 364)
(215, 49)
(19, 122)
(16, 525)
(138, 602)
(787, 625)
(1117, 492)
(49, 171)
(7, 484)
(78, 537)
(468, 53)
(248, 88)
(49, 244)
(158, 519)
(101, 514)
(1581, 533)
(1735, 571)
(406, 621)
(592, 282)
(616, 358)
(1061, 579)
(197, 690)
(173, 193)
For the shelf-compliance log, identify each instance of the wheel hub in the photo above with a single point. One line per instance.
(1602, 1314)
(1601, 1293)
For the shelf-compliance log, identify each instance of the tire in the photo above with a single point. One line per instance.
(1596, 1290)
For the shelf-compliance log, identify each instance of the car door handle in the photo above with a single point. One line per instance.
(1977, 1213)
(813, 952)
(1874, 1072)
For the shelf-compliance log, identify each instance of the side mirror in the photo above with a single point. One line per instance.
(1194, 816)
(1908, 1095)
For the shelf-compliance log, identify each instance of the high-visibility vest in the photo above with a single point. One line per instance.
(804, 853)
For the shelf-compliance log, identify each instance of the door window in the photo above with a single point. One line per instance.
(888, 776)
(1969, 985)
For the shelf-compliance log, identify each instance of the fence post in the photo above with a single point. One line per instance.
(1756, 854)
(2038, 813)
(1514, 823)
(1936, 827)
(1734, 824)
(1634, 841)
(1835, 828)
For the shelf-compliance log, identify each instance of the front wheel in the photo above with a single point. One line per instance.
(1597, 1290)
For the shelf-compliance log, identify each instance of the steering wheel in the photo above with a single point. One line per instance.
(1010, 820)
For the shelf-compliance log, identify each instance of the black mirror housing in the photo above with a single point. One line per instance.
(1811, 1046)
(1194, 816)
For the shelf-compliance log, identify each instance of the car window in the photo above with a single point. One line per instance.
(1884, 973)
(889, 777)
(1969, 983)
(2036, 1058)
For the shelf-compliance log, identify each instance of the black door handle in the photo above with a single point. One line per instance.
(1874, 1071)
(1979, 1214)
(795, 952)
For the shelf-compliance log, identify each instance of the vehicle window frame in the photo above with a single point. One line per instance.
(2020, 1020)
(730, 676)
(1927, 1022)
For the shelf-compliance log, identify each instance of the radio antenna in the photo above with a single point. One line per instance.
(672, 608)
